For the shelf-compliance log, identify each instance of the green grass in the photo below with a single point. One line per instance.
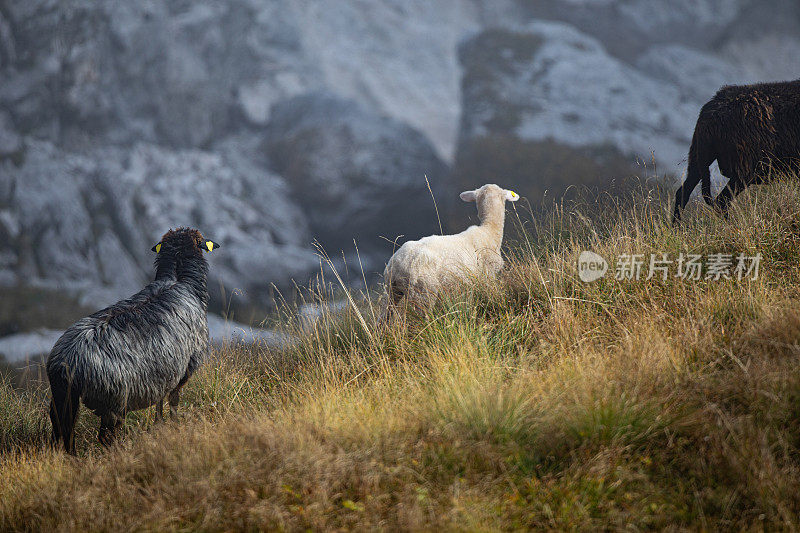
(533, 401)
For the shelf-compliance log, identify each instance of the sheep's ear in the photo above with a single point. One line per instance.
(211, 245)
(156, 248)
(511, 196)
(468, 196)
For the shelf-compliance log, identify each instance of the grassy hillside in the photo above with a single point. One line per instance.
(534, 401)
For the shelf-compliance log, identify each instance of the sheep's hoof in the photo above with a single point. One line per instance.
(106, 437)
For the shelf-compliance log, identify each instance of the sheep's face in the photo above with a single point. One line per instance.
(490, 199)
(184, 242)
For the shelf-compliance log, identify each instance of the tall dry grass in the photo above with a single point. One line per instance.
(533, 401)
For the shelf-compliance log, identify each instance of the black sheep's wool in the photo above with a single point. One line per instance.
(748, 130)
(134, 353)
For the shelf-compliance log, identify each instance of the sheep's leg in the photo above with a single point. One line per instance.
(682, 196)
(384, 317)
(160, 410)
(730, 192)
(110, 425)
(174, 398)
(56, 422)
(394, 294)
(108, 428)
(63, 415)
(115, 430)
(387, 313)
(700, 157)
(64, 408)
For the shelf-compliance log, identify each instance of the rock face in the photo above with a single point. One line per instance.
(87, 222)
(271, 123)
(120, 119)
(549, 81)
(10, 141)
(186, 73)
(356, 175)
(174, 73)
(580, 91)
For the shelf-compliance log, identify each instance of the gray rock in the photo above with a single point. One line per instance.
(189, 73)
(628, 28)
(87, 222)
(355, 174)
(542, 89)
(179, 73)
(398, 57)
(10, 141)
(770, 56)
(550, 81)
(697, 75)
(128, 94)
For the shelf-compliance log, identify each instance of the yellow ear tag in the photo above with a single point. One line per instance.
(513, 194)
(158, 247)
(209, 245)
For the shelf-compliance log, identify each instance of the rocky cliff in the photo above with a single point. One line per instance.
(272, 124)
(583, 91)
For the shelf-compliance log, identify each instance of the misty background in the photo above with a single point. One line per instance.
(274, 125)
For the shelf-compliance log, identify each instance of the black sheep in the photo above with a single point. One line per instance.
(748, 129)
(138, 351)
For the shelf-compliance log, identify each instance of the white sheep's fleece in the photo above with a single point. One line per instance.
(423, 267)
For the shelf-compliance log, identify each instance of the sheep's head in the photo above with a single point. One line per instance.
(490, 199)
(184, 242)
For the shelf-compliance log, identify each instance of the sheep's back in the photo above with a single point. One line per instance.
(762, 119)
(432, 261)
(128, 356)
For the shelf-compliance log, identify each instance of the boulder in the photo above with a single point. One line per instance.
(549, 81)
(355, 174)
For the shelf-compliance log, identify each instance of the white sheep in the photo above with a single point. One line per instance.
(419, 269)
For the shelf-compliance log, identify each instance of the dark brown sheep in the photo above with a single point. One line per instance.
(749, 130)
